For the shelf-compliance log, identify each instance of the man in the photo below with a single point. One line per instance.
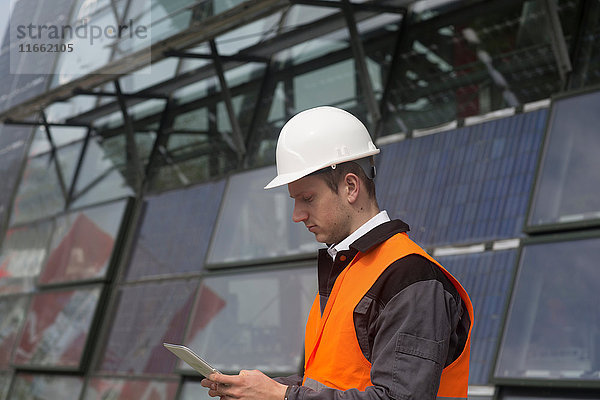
(388, 322)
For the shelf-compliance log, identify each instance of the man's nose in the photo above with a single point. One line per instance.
(298, 215)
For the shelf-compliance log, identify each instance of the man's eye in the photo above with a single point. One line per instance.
(308, 199)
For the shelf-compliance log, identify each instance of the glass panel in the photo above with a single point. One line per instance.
(120, 389)
(164, 18)
(194, 391)
(82, 244)
(13, 148)
(248, 35)
(253, 320)
(300, 14)
(148, 315)
(145, 109)
(587, 63)
(247, 209)
(196, 90)
(149, 76)
(46, 387)
(67, 157)
(40, 143)
(56, 329)
(23, 251)
(553, 326)
(176, 175)
(466, 185)
(5, 379)
(175, 232)
(61, 135)
(99, 179)
(568, 184)
(39, 193)
(487, 278)
(476, 63)
(95, 46)
(190, 64)
(25, 73)
(333, 84)
(63, 110)
(12, 315)
(539, 393)
(327, 43)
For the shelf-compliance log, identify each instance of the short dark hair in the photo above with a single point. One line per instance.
(333, 177)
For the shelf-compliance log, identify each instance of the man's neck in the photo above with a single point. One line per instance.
(369, 224)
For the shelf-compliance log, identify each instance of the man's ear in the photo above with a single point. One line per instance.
(352, 187)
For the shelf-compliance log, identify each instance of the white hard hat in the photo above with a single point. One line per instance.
(317, 138)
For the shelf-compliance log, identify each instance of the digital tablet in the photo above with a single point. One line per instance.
(192, 359)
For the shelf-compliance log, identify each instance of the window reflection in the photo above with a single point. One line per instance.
(248, 208)
(148, 315)
(100, 177)
(82, 244)
(5, 379)
(253, 320)
(121, 389)
(88, 55)
(56, 329)
(567, 188)
(23, 251)
(12, 315)
(39, 194)
(470, 67)
(194, 391)
(553, 326)
(175, 231)
(46, 387)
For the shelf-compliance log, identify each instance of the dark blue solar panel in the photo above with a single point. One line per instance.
(486, 277)
(175, 231)
(466, 185)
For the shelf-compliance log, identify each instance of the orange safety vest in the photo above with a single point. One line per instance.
(333, 355)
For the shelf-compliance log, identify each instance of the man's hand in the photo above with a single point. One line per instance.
(248, 385)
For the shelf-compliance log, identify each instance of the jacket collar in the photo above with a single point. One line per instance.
(379, 234)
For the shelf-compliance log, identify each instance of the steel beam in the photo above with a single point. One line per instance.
(361, 65)
(238, 137)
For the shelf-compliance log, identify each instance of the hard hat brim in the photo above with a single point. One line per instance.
(284, 179)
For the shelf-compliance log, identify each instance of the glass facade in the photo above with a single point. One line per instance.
(131, 174)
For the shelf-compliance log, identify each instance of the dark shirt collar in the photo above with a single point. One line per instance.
(328, 270)
(379, 234)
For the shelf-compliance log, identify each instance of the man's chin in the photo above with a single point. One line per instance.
(323, 239)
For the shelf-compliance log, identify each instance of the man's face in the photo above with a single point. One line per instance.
(325, 213)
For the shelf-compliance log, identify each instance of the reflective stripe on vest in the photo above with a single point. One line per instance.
(333, 355)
